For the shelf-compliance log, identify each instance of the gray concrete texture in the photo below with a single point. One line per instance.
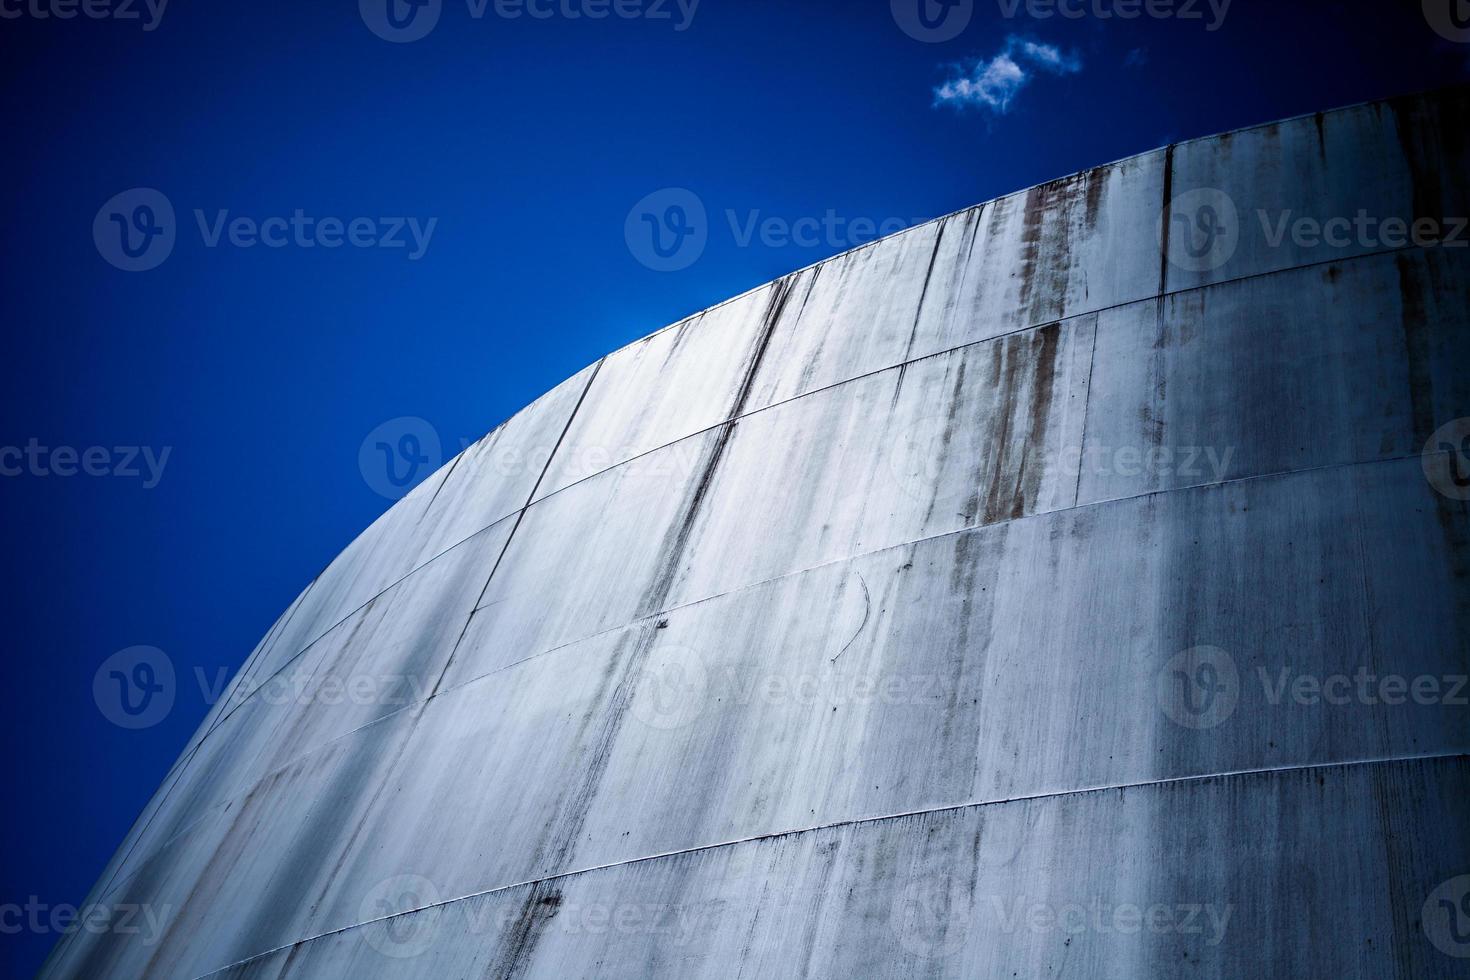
(998, 599)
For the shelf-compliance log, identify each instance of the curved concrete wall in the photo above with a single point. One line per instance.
(952, 607)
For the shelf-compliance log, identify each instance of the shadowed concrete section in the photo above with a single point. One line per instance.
(1202, 878)
(1029, 593)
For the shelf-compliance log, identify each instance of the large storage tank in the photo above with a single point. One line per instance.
(1074, 586)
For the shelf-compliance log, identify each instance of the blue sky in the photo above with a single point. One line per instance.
(227, 393)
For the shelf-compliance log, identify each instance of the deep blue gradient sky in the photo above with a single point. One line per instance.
(263, 370)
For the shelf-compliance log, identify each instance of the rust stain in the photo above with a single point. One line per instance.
(1034, 215)
(1152, 412)
(951, 422)
(1046, 253)
(1096, 184)
(1167, 219)
(908, 349)
(542, 903)
(1414, 320)
(1011, 480)
(676, 538)
(608, 708)
(1431, 136)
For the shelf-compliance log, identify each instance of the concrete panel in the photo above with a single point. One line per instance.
(927, 677)
(1403, 159)
(495, 477)
(240, 878)
(1019, 262)
(487, 482)
(1120, 883)
(1059, 250)
(376, 559)
(385, 657)
(1339, 363)
(229, 696)
(965, 438)
(668, 386)
(858, 312)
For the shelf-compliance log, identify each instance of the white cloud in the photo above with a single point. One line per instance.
(993, 83)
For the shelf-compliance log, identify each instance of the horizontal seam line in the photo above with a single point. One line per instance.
(1276, 475)
(341, 622)
(838, 384)
(736, 591)
(181, 765)
(1106, 165)
(948, 808)
(1361, 257)
(1029, 328)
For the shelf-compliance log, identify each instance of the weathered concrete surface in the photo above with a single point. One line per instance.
(1231, 872)
(1403, 158)
(1336, 363)
(902, 566)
